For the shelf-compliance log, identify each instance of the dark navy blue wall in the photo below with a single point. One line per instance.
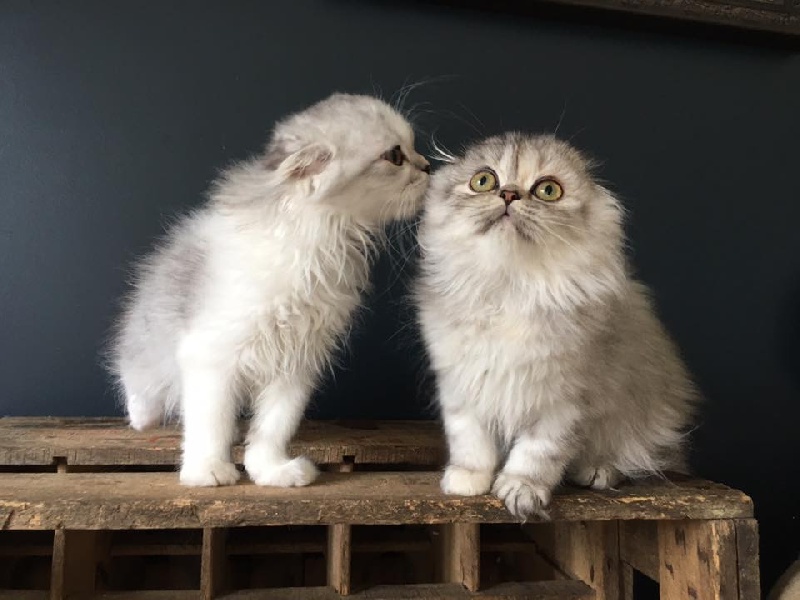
(115, 116)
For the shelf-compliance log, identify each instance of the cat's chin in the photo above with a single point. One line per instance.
(507, 227)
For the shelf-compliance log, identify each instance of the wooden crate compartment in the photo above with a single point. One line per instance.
(160, 559)
(91, 509)
(392, 555)
(26, 560)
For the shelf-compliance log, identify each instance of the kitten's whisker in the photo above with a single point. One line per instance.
(555, 235)
(440, 152)
(474, 116)
(560, 118)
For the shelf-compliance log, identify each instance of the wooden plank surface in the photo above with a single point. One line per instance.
(638, 546)
(105, 441)
(461, 554)
(213, 559)
(588, 551)
(777, 16)
(543, 590)
(74, 563)
(338, 557)
(698, 560)
(747, 559)
(37, 501)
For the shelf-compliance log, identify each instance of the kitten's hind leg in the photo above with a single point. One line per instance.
(144, 402)
(143, 411)
(277, 413)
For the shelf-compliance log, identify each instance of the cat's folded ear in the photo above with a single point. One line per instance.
(309, 160)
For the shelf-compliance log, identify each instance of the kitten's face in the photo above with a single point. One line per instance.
(519, 197)
(354, 153)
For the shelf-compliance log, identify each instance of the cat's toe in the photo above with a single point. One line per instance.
(597, 478)
(292, 473)
(209, 473)
(523, 497)
(465, 482)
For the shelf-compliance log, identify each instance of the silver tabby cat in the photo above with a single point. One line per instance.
(549, 357)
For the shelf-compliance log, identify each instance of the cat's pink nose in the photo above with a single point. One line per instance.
(509, 196)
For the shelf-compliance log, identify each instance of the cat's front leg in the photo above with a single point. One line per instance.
(278, 411)
(209, 411)
(536, 463)
(473, 455)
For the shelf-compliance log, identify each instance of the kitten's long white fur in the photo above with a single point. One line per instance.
(247, 298)
(548, 356)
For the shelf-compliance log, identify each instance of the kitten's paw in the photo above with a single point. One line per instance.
(143, 414)
(465, 482)
(597, 478)
(522, 496)
(209, 473)
(292, 473)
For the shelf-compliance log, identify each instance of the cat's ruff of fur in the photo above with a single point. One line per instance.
(245, 299)
(547, 355)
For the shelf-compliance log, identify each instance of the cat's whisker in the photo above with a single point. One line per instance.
(478, 130)
(544, 226)
(560, 118)
(440, 153)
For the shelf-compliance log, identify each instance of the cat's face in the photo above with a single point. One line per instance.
(516, 197)
(353, 153)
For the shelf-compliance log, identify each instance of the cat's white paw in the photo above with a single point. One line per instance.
(292, 473)
(465, 482)
(209, 473)
(522, 496)
(597, 478)
(143, 414)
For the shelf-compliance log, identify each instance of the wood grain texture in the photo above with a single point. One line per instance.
(156, 501)
(587, 551)
(338, 557)
(777, 16)
(747, 559)
(212, 562)
(638, 546)
(544, 590)
(461, 554)
(44, 441)
(697, 560)
(74, 563)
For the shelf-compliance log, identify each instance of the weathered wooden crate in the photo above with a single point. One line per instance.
(92, 509)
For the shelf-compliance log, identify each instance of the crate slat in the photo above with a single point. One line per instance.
(27, 441)
(156, 501)
(539, 590)
(461, 554)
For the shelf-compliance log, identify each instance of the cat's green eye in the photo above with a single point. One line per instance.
(483, 181)
(547, 189)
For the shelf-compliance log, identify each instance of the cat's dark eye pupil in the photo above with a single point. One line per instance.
(482, 180)
(395, 156)
(548, 189)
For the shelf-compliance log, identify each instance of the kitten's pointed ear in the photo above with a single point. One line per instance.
(306, 162)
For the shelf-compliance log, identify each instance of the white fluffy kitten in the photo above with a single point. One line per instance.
(548, 356)
(247, 297)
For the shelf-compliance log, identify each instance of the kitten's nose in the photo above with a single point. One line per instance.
(509, 196)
